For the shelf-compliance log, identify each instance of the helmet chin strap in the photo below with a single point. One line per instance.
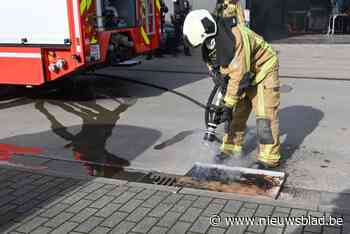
(210, 43)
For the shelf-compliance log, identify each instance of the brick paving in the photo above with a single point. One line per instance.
(31, 202)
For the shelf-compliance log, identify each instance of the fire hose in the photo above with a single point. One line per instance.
(214, 108)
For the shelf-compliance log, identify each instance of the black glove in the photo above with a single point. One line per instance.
(227, 114)
(224, 84)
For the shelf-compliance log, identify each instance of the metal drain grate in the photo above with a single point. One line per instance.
(162, 179)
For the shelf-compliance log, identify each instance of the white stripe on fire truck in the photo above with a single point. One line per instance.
(19, 55)
(76, 15)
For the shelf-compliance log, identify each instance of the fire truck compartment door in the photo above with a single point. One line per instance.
(34, 22)
(21, 66)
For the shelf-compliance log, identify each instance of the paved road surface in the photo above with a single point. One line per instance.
(148, 128)
(33, 202)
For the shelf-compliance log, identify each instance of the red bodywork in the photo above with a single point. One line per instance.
(29, 65)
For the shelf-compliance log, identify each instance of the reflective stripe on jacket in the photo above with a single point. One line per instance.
(252, 54)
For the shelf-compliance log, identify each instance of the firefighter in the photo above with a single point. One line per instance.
(230, 8)
(163, 11)
(243, 56)
(181, 9)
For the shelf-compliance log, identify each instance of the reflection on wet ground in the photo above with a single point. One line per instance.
(89, 144)
(7, 151)
(88, 141)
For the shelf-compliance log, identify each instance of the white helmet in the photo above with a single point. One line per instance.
(198, 26)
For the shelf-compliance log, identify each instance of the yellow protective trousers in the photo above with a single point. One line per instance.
(264, 99)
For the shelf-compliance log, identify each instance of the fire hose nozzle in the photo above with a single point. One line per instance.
(210, 132)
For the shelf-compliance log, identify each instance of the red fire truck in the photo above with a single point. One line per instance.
(44, 40)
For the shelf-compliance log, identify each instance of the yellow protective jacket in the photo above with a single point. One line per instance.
(252, 54)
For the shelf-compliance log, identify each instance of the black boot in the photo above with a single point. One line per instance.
(222, 156)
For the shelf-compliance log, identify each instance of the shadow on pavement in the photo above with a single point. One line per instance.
(80, 150)
(89, 144)
(175, 139)
(296, 123)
